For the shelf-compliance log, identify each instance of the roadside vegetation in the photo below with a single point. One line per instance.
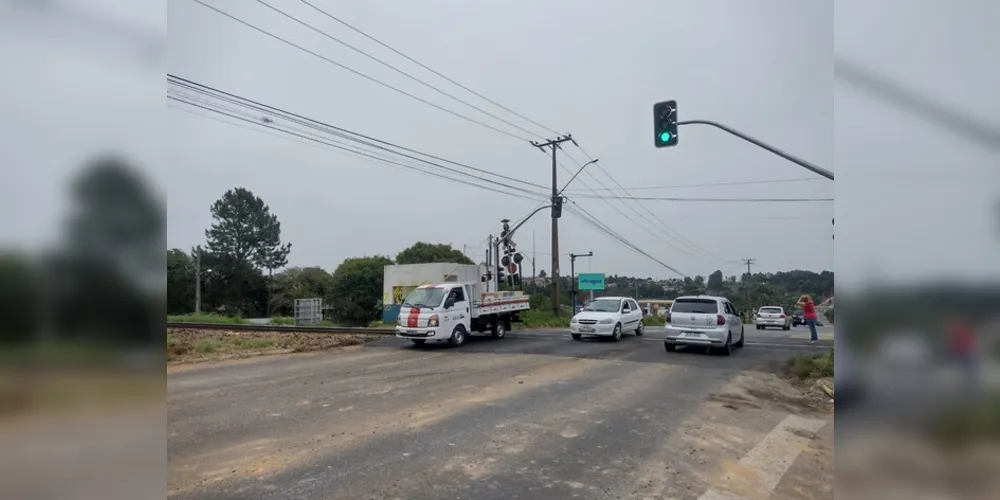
(809, 367)
(184, 345)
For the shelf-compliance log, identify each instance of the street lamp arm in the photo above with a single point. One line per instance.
(576, 174)
(525, 219)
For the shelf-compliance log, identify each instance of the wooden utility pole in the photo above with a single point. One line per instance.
(556, 213)
(749, 262)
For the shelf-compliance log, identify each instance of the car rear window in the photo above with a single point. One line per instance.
(695, 306)
(770, 309)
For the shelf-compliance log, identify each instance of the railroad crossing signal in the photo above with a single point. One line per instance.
(665, 124)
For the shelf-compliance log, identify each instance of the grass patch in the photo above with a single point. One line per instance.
(972, 423)
(544, 319)
(217, 319)
(58, 353)
(811, 366)
(654, 320)
(252, 343)
(207, 346)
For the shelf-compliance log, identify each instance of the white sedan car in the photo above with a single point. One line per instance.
(608, 317)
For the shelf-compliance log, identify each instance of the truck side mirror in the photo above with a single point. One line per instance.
(449, 302)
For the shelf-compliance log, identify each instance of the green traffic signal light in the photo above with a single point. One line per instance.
(665, 137)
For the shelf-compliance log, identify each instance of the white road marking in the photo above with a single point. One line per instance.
(762, 468)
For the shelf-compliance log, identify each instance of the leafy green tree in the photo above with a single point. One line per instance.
(715, 280)
(180, 282)
(356, 292)
(245, 231)
(299, 283)
(542, 273)
(424, 253)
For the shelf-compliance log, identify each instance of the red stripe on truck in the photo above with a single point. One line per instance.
(411, 319)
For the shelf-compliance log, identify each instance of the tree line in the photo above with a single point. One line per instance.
(241, 268)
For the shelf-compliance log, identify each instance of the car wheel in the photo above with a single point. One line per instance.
(669, 347)
(577, 336)
(616, 335)
(499, 330)
(742, 338)
(786, 328)
(727, 349)
(418, 342)
(641, 329)
(457, 336)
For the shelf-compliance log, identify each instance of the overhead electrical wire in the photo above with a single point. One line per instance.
(713, 200)
(328, 128)
(359, 73)
(694, 246)
(424, 66)
(356, 152)
(383, 63)
(716, 184)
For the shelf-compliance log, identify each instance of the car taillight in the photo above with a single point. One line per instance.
(782, 316)
(720, 320)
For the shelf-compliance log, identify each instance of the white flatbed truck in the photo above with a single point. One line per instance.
(452, 311)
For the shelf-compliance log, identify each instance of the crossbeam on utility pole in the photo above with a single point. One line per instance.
(556, 207)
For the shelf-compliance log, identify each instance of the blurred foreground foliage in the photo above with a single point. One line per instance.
(101, 285)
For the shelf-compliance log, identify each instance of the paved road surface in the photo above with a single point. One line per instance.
(533, 416)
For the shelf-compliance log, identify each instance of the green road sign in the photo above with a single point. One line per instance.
(590, 281)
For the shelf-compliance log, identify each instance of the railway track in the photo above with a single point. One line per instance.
(281, 328)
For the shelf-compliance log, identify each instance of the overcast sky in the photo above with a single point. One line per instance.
(594, 72)
(915, 197)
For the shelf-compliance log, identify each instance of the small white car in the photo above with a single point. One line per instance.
(772, 316)
(704, 320)
(608, 317)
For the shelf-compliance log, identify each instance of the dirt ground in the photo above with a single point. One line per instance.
(191, 345)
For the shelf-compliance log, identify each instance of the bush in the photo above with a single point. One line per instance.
(812, 366)
(829, 315)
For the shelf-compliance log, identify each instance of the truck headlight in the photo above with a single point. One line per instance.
(607, 321)
(432, 321)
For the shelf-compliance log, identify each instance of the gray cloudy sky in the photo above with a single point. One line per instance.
(595, 72)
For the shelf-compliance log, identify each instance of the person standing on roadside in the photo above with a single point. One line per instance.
(809, 314)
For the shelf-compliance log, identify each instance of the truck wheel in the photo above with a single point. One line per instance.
(458, 336)
(499, 329)
(418, 342)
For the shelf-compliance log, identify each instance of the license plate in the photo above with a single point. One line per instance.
(586, 329)
(693, 334)
(412, 332)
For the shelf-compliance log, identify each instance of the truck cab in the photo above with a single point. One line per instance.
(451, 311)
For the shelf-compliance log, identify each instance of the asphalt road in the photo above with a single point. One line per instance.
(532, 416)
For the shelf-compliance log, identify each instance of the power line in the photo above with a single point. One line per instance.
(693, 245)
(359, 73)
(589, 218)
(351, 150)
(325, 127)
(715, 200)
(422, 65)
(383, 63)
(714, 184)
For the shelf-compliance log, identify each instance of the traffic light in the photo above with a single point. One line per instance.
(557, 207)
(501, 274)
(665, 124)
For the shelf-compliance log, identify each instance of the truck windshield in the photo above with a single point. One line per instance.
(602, 306)
(424, 297)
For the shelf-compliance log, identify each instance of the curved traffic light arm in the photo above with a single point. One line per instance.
(798, 161)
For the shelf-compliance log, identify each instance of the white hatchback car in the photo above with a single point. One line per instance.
(608, 317)
(704, 320)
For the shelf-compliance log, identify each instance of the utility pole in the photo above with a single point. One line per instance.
(572, 274)
(534, 253)
(749, 262)
(197, 280)
(556, 213)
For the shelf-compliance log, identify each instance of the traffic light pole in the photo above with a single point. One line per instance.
(554, 144)
(572, 275)
(798, 161)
